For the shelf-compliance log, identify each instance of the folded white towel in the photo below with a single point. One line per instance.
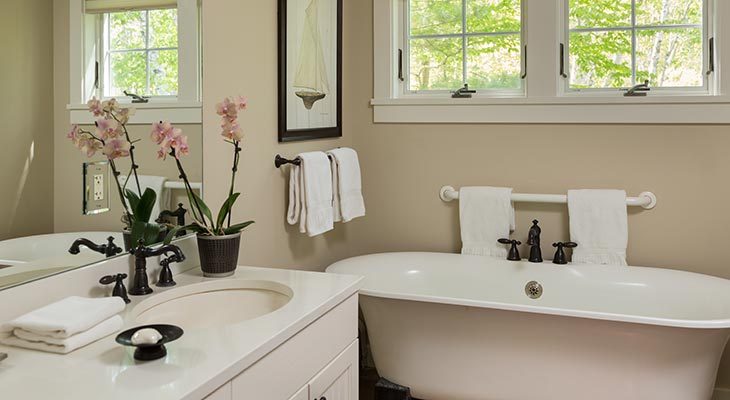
(486, 215)
(348, 202)
(310, 189)
(66, 317)
(30, 340)
(599, 225)
(156, 183)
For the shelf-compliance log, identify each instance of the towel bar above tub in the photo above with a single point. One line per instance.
(647, 200)
(181, 185)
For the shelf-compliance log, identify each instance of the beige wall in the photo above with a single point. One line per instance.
(26, 29)
(67, 176)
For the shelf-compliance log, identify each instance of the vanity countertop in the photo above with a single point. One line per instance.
(199, 362)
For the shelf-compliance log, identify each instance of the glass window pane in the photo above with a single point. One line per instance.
(669, 57)
(599, 13)
(436, 64)
(163, 28)
(128, 72)
(600, 59)
(493, 62)
(127, 30)
(163, 73)
(484, 16)
(668, 12)
(435, 17)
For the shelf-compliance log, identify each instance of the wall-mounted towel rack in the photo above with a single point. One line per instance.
(181, 186)
(646, 200)
(279, 161)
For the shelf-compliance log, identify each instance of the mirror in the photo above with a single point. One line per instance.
(66, 169)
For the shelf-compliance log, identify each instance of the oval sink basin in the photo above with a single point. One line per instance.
(214, 303)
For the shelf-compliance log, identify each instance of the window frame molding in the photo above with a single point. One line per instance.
(545, 99)
(84, 51)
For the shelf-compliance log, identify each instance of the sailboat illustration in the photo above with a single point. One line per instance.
(311, 78)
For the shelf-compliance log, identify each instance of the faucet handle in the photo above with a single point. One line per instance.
(111, 248)
(119, 289)
(559, 257)
(514, 252)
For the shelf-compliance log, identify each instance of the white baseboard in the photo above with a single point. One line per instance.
(721, 394)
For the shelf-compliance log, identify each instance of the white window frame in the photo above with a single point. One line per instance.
(86, 48)
(404, 44)
(545, 99)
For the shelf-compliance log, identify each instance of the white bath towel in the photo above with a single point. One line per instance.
(310, 194)
(156, 183)
(348, 202)
(599, 225)
(486, 215)
(66, 317)
(30, 340)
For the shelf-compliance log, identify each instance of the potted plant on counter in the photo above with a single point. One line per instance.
(111, 137)
(219, 240)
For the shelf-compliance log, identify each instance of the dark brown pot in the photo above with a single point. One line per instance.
(219, 254)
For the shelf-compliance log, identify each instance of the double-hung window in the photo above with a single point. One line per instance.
(615, 44)
(450, 43)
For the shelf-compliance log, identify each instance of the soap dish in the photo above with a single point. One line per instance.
(153, 351)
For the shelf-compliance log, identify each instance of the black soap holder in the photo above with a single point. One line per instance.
(154, 351)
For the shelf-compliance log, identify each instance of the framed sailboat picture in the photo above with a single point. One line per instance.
(310, 69)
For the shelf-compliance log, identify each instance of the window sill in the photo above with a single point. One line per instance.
(147, 113)
(695, 109)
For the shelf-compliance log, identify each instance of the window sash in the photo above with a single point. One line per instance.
(704, 27)
(405, 45)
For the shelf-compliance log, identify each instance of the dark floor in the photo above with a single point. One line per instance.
(368, 378)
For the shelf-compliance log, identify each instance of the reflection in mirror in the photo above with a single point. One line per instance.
(80, 172)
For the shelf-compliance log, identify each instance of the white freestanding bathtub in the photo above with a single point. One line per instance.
(455, 327)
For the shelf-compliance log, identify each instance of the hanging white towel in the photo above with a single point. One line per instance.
(486, 215)
(348, 202)
(66, 317)
(156, 183)
(31, 340)
(310, 189)
(599, 225)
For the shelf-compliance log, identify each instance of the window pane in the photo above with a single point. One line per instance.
(493, 62)
(600, 59)
(599, 13)
(485, 16)
(128, 72)
(163, 73)
(127, 30)
(669, 57)
(668, 12)
(436, 64)
(163, 28)
(435, 17)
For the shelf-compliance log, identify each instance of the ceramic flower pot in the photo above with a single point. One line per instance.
(219, 254)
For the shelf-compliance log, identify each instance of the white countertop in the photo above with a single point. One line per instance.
(197, 363)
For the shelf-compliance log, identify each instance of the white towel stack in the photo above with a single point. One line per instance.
(599, 225)
(310, 194)
(348, 202)
(486, 215)
(65, 325)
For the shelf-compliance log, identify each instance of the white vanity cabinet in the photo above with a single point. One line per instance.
(319, 362)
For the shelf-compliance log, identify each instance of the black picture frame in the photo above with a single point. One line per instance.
(291, 135)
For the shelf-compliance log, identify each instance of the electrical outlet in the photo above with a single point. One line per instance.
(98, 187)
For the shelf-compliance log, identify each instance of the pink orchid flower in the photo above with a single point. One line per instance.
(95, 107)
(73, 134)
(161, 131)
(111, 105)
(227, 109)
(241, 102)
(180, 144)
(89, 145)
(232, 130)
(124, 114)
(116, 148)
(107, 128)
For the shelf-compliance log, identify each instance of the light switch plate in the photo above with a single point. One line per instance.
(96, 187)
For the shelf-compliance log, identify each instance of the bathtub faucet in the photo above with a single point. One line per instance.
(514, 252)
(109, 249)
(533, 240)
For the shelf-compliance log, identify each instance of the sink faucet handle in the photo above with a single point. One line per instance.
(165, 279)
(119, 289)
(514, 252)
(111, 248)
(560, 257)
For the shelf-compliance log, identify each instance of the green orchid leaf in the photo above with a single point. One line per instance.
(225, 209)
(174, 231)
(196, 200)
(237, 228)
(132, 198)
(147, 232)
(143, 211)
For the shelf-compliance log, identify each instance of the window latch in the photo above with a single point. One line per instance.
(463, 92)
(137, 98)
(638, 90)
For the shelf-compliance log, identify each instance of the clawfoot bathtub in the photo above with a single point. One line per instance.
(455, 327)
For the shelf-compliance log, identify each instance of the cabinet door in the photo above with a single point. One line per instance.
(302, 394)
(339, 379)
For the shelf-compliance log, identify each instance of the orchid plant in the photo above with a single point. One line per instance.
(174, 144)
(111, 137)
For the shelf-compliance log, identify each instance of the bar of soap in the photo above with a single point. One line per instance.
(146, 336)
